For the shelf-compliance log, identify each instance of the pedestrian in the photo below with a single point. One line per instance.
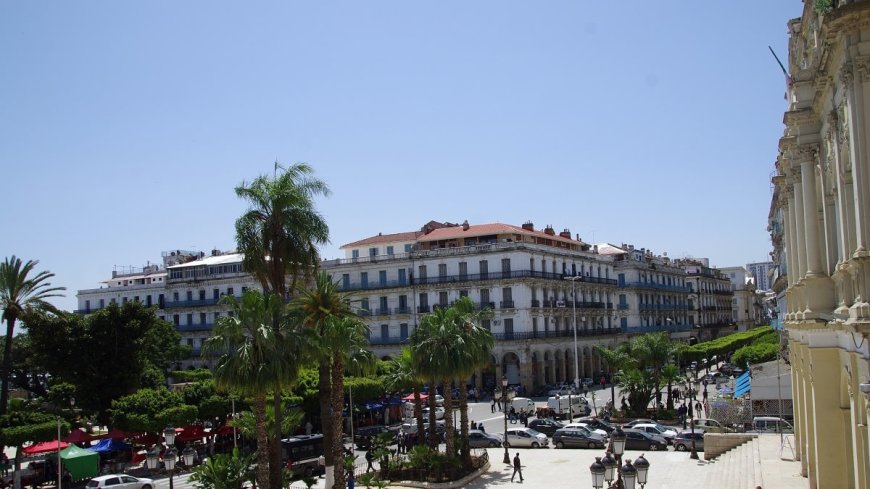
(4, 463)
(481, 428)
(517, 469)
(698, 407)
(370, 457)
(473, 425)
(308, 427)
(492, 405)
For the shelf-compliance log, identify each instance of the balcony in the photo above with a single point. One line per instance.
(536, 303)
(422, 309)
(484, 305)
(194, 327)
(388, 340)
(364, 313)
(383, 311)
(464, 278)
(659, 327)
(655, 286)
(565, 333)
(402, 310)
(622, 307)
(191, 303)
(507, 304)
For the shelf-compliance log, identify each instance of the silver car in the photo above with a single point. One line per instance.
(526, 437)
(480, 439)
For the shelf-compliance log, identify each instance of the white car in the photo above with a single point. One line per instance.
(586, 427)
(439, 413)
(526, 437)
(119, 481)
(657, 429)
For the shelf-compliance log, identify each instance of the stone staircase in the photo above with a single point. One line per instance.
(737, 468)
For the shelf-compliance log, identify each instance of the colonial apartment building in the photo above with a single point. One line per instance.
(820, 230)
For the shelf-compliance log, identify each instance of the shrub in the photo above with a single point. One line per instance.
(757, 353)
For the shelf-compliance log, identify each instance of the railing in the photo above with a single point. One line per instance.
(191, 303)
(659, 327)
(389, 340)
(655, 286)
(507, 304)
(422, 309)
(383, 311)
(622, 307)
(364, 313)
(536, 303)
(663, 307)
(564, 333)
(195, 327)
(402, 310)
(476, 277)
(484, 305)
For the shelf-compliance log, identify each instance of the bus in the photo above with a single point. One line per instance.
(302, 454)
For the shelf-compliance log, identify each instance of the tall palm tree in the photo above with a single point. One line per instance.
(343, 341)
(278, 236)
(19, 291)
(280, 232)
(435, 356)
(316, 306)
(616, 359)
(475, 344)
(242, 343)
(402, 376)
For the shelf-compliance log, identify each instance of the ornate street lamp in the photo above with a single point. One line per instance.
(152, 458)
(597, 469)
(609, 465)
(642, 466)
(171, 454)
(188, 454)
(629, 474)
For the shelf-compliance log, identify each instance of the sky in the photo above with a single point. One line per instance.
(126, 126)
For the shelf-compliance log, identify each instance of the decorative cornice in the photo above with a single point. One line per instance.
(800, 117)
(845, 74)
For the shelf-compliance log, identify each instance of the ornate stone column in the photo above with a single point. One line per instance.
(818, 291)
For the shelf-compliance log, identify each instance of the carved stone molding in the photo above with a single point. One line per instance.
(804, 152)
(845, 74)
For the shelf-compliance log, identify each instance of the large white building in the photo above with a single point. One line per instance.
(761, 272)
(746, 310)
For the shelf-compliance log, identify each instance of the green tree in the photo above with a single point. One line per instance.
(615, 359)
(223, 471)
(150, 410)
(107, 355)
(253, 358)
(279, 235)
(403, 376)
(317, 306)
(20, 290)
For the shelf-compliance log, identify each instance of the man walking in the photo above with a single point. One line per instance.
(517, 469)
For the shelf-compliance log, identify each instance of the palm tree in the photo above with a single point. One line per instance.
(343, 340)
(19, 291)
(615, 359)
(278, 236)
(670, 375)
(316, 306)
(402, 376)
(254, 358)
(280, 233)
(476, 344)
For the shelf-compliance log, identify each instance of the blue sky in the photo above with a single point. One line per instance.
(125, 126)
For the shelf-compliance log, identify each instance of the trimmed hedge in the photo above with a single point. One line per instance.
(725, 344)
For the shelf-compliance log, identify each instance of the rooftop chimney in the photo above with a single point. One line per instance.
(528, 226)
(565, 234)
(549, 231)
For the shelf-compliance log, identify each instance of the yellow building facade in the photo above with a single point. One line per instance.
(821, 205)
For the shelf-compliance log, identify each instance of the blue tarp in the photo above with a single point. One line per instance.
(109, 445)
(742, 384)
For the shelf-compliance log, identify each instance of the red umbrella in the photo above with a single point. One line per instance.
(410, 397)
(223, 430)
(115, 434)
(77, 436)
(45, 446)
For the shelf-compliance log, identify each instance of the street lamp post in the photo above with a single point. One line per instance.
(504, 401)
(72, 403)
(171, 453)
(574, 311)
(626, 475)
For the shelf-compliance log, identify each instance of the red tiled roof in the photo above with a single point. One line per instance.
(384, 238)
(488, 230)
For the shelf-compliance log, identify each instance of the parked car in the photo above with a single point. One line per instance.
(119, 481)
(709, 426)
(683, 441)
(770, 424)
(587, 382)
(562, 390)
(657, 429)
(572, 437)
(545, 426)
(526, 437)
(585, 426)
(480, 439)
(631, 424)
(362, 437)
(439, 412)
(641, 440)
(597, 424)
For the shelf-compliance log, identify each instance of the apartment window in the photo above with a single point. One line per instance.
(345, 281)
(202, 295)
(383, 303)
(217, 316)
(463, 270)
(486, 324)
(403, 302)
(216, 294)
(442, 270)
(373, 252)
(508, 326)
(484, 297)
(385, 331)
(402, 276)
(622, 299)
(136, 298)
(354, 254)
(424, 300)
(407, 248)
(124, 300)
(506, 265)
(463, 293)
(364, 305)
(532, 264)
(231, 314)
(534, 325)
(102, 303)
(389, 250)
(507, 294)
(190, 342)
(484, 268)
(175, 296)
(189, 295)
(244, 289)
(403, 331)
(382, 278)
(421, 272)
(202, 319)
(87, 305)
(148, 300)
(230, 291)
(189, 319)
(442, 298)
(175, 319)
(364, 279)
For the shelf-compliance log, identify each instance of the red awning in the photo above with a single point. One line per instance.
(77, 436)
(410, 397)
(115, 434)
(45, 446)
(224, 430)
(191, 433)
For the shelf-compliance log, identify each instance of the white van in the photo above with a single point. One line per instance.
(561, 407)
(520, 403)
(771, 424)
